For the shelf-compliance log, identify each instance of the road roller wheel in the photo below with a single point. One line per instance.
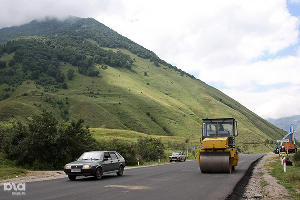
(230, 170)
(215, 162)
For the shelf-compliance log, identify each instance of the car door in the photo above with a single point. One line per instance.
(115, 162)
(121, 160)
(107, 162)
(180, 156)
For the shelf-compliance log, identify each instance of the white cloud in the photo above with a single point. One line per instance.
(16, 12)
(270, 72)
(220, 40)
(274, 103)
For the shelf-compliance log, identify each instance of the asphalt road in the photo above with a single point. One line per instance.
(182, 181)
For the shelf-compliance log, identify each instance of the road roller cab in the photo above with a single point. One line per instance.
(218, 152)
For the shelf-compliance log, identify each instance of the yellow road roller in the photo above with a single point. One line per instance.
(218, 153)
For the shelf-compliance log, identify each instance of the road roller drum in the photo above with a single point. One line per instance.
(215, 162)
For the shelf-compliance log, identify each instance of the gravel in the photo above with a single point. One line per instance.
(271, 190)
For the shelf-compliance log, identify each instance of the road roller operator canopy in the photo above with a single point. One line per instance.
(225, 127)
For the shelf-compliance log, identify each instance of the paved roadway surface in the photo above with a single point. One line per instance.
(182, 181)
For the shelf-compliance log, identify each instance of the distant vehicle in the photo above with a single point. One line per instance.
(287, 143)
(177, 156)
(96, 163)
(290, 147)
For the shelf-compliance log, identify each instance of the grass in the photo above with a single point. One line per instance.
(263, 183)
(8, 169)
(163, 103)
(290, 180)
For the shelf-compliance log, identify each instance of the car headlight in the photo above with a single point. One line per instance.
(86, 167)
(67, 166)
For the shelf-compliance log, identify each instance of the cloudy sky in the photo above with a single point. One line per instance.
(248, 49)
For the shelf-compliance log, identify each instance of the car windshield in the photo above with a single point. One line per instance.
(175, 153)
(91, 156)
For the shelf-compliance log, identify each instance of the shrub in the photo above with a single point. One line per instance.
(93, 73)
(297, 156)
(150, 149)
(2, 64)
(126, 149)
(71, 74)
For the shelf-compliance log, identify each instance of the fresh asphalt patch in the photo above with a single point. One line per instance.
(239, 189)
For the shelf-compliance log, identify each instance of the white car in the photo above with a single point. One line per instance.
(177, 156)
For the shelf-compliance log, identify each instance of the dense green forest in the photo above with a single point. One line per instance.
(39, 59)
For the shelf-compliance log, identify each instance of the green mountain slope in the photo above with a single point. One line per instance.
(82, 69)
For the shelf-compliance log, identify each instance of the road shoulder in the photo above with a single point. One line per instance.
(33, 176)
(262, 185)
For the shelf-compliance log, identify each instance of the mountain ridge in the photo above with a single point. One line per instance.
(285, 123)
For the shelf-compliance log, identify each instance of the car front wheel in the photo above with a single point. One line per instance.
(120, 171)
(98, 175)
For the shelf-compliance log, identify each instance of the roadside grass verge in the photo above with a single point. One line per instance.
(8, 169)
(290, 180)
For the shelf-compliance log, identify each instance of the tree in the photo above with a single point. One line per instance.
(93, 73)
(71, 74)
(2, 64)
(64, 86)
